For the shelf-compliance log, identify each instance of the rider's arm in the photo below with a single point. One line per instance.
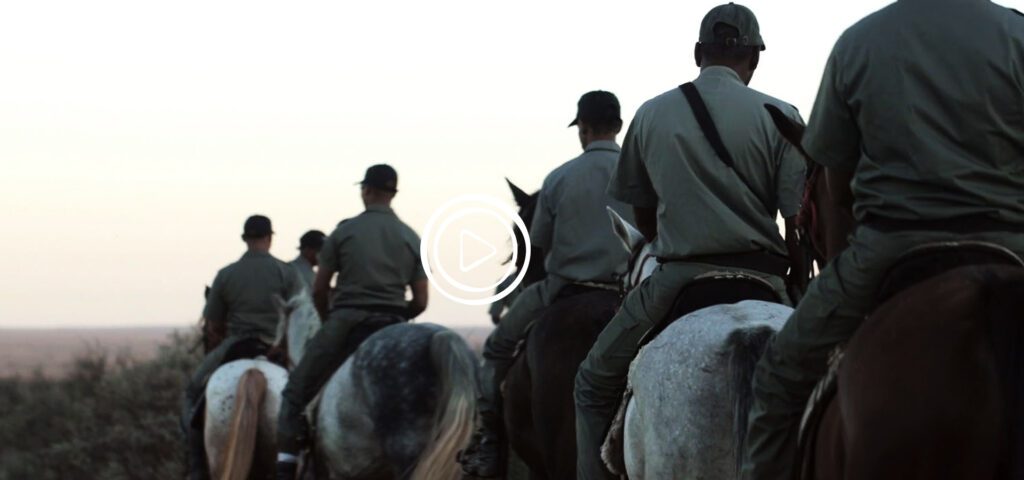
(838, 181)
(215, 312)
(647, 222)
(322, 289)
(418, 303)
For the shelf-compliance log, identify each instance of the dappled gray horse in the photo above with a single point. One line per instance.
(400, 407)
(691, 385)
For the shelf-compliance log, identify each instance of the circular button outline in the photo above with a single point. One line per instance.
(428, 233)
(437, 245)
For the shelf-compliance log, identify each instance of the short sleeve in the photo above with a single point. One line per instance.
(417, 270)
(631, 182)
(327, 259)
(791, 177)
(216, 309)
(832, 138)
(542, 227)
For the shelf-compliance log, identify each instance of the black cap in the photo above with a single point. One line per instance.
(312, 239)
(257, 226)
(597, 108)
(381, 177)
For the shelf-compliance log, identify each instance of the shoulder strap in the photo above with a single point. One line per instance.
(700, 110)
(707, 125)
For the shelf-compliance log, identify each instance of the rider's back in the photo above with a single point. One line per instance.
(376, 256)
(926, 100)
(243, 293)
(733, 210)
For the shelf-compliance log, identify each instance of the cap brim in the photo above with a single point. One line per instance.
(575, 122)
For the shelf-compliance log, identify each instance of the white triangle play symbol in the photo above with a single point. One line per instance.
(482, 251)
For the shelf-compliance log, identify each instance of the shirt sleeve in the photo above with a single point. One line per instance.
(791, 176)
(417, 270)
(833, 138)
(542, 227)
(631, 183)
(216, 309)
(327, 259)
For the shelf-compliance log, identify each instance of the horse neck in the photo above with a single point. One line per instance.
(641, 266)
(303, 323)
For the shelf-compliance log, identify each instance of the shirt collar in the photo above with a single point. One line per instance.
(603, 145)
(379, 209)
(302, 260)
(721, 72)
(252, 254)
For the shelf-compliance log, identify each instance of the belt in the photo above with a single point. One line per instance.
(382, 309)
(763, 262)
(962, 225)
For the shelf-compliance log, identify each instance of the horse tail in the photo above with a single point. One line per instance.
(1005, 304)
(456, 407)
(745, 347)
(252, 387)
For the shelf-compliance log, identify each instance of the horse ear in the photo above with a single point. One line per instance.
(522, 198)
(628, 234)
(792, 131)
(206, 293)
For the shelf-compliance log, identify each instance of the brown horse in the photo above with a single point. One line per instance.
(932, 384)
(539, 408)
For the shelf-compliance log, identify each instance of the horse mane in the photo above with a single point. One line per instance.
(1005, 302)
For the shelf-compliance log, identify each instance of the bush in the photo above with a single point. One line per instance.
(110, 417)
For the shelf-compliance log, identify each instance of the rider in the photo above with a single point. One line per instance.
(920, 106)
(242, 299)
(701, 215)
(375, 256)
(309, 248)
(571, 225)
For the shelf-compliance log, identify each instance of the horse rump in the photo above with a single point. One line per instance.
(1006, 330)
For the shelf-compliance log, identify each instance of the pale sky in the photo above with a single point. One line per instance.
(136, 136)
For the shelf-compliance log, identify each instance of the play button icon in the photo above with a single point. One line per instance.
(463, 249)
(474, 251)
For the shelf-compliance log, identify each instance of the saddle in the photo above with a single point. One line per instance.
(569, 291)
(917, 265)
(720, 287)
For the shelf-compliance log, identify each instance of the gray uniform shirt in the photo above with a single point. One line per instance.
(305, 271)
(924, 100)
(571, 223)
(704, 208)
(242, 294)
(376, 256)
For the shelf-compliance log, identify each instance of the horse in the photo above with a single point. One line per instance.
(400, 406)
(243, 397)
(686, 416)
(538, 390)
(931, 385)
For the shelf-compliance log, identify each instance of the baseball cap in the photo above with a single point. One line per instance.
(597, 108)
(381, 177)
(312, 239)
(737, 16)
(257, 226)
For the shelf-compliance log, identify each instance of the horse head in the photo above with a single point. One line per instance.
(299, 321)
(641, 260)
(826, 217)
(527, 204)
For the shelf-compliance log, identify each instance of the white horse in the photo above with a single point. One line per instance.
(400, 407)
(687, 416)
(243, 398)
